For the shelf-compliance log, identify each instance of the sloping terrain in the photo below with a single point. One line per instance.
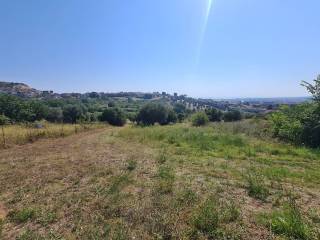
(173, 182)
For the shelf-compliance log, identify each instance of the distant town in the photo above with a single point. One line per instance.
(246, 105)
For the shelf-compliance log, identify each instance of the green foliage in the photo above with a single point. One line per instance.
(214, 115)
(113, 116)
(290, 223)
(209, 218)
(314, 89)
(166, 179)
(132, 164)
(3, 120)
(206, 218)
(23, 215)
(73, 113)
(232, 116)
(256, 186)
(199, 119)
(55, 114)
(298, 124)
(153, 113)
(172, 116)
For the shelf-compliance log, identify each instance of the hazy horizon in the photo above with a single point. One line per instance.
(203, 48)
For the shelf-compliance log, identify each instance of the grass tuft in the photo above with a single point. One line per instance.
(132, 165)
(256, 186)
(23, 215)
(288, 222)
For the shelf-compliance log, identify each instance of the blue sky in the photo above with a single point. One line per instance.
(248, 48)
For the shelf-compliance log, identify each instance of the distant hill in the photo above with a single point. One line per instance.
(19, 89)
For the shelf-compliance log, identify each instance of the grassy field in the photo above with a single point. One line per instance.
(28, 133)
(223, 181)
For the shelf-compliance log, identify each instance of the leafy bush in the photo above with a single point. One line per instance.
(232, 116)
(172, 117)
(199, 119)
(73, 113)
(153, 113)
(299, 124)
(113, 116)
(214, 115)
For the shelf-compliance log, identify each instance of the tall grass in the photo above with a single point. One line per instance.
(23, 133)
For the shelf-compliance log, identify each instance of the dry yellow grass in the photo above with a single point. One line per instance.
(21, 134)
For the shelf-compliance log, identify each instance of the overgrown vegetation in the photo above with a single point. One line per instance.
(300, 124)
(199, 119)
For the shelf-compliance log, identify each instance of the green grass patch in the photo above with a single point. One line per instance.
(256, 186)
(22, 216)
(289, 222)
(165, 180)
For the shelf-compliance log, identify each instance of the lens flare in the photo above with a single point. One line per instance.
(203, 31)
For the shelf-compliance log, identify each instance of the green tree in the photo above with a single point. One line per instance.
(172, 116)
(214, 115)
(153, 113)
(113, 116)
(55, 114)
(199, 119)
(72, 113)
(232, 116)
(314, 89)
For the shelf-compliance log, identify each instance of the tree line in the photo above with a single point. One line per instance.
(18, 110)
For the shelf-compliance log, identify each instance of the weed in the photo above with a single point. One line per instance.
(132, 164)
(314, 215)
(165, 181)
(118, 183)
(256, 186)
(231, 212)
(206, 218)
(162, 156)
(186, 197)
(22, 216)
(289, 222)
(46, 218)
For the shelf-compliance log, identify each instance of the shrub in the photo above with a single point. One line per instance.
(113, 116)
(55, 114)
(300, 124)
(214, 115)
(199, 119)
(72, 113)
(297, 124)
(172, 117)
(232, 116)
(153, 113)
